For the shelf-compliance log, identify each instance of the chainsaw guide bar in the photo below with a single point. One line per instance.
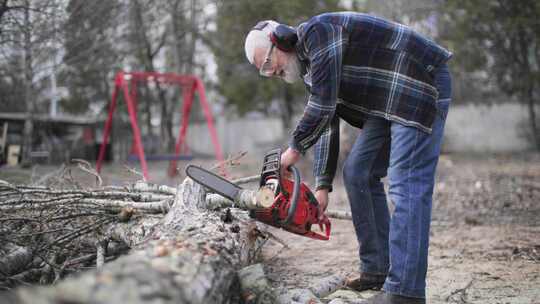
(213, 181)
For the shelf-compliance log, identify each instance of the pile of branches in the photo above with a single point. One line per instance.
(49, 232)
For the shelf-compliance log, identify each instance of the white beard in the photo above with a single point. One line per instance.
(292, 70)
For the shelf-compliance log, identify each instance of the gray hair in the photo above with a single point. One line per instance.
(259, 39)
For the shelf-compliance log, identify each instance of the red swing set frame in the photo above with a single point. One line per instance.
(126, 83)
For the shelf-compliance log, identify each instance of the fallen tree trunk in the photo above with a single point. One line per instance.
(188, 256)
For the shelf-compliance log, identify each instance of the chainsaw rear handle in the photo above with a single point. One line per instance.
(295, 194)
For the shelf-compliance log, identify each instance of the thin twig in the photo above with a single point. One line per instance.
(87, 167)
(135, 172)
(461, 291)
(276, 239)
(79, 232)
(231, 161)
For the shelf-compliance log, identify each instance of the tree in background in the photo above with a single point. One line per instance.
(163, 37)
(501, 37)
(29, 35)
(410, 12)
(148, 35)
(11, 83)
(134, 35)
(430, 18)
(11, 87)
(90, 58)
(239, 82)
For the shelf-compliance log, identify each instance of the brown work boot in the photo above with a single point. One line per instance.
(387, 298)
(366, 281)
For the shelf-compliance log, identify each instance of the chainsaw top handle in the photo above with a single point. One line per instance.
(295, 194)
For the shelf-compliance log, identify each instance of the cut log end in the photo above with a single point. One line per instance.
(264, 197)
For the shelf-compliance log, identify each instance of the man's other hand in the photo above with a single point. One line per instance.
(288, 158)
(322, 197)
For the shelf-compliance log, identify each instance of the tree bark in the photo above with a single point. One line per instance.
(28, 88)
(532, 119)
(529, 83)
(148, 52)
(3, 9)
(189, 256)
(255, 287)
(14, 259)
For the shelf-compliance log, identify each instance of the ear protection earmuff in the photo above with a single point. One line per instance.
(284, 37)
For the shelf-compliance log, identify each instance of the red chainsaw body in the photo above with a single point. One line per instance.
(306, 213)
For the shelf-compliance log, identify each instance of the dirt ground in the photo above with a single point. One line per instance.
(485, 236)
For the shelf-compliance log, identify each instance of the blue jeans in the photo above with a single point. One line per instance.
(396, 246)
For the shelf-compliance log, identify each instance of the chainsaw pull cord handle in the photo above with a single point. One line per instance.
(295, 194)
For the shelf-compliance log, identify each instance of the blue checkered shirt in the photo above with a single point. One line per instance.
(358, 65)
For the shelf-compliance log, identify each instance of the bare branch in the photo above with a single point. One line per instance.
(135, 172)
(87, 167)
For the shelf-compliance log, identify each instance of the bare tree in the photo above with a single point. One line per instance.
(30, 28)
(28, 87)
(165, 37)
(148, 36)
(90, 57)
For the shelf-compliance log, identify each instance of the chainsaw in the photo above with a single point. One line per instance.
(294, 208)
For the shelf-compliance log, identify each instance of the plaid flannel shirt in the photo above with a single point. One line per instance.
(358, 65)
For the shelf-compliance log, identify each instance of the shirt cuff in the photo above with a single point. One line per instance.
(323, 182)
(296, 146)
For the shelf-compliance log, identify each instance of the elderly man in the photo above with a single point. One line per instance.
(394, 84)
